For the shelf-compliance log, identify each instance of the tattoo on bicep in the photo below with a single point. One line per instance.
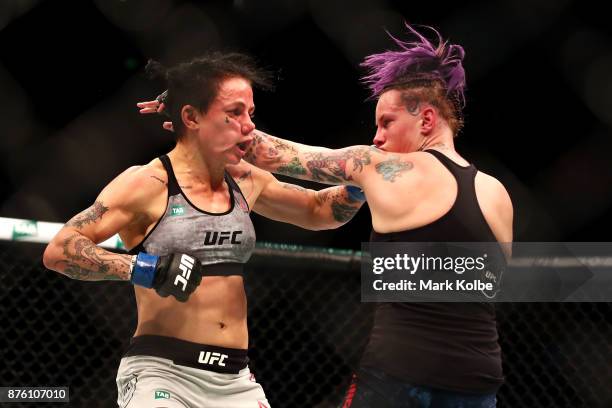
(85, 261)
(90, 215)
(332, 167)
(392, 168)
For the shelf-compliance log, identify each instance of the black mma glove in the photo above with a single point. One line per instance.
(175, 274)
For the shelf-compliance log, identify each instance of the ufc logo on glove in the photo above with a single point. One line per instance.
(185, 266)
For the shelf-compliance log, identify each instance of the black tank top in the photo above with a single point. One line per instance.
(451, 346)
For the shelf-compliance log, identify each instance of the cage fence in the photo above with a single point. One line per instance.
(308, 328)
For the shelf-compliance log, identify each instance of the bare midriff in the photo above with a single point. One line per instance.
(215, 314)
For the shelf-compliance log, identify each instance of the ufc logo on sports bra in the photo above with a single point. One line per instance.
(218, 238)
(209, 357)
(185, 266)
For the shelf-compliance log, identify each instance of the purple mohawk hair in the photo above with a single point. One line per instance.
(417, 60)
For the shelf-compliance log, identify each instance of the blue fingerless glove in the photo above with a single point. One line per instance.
(355, 193)
(144, 270)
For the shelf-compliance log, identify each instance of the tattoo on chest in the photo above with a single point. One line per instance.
(393, 168)
(90, 215)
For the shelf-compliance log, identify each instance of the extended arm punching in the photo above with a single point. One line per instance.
(346, 166)
(340, 166)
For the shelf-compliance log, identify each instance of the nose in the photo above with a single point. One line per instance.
(379, 140)
(248, 126)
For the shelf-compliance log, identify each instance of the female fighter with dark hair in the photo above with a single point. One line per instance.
(185, 218)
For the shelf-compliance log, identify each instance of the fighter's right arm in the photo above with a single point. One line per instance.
(73, 251)
(346, 166)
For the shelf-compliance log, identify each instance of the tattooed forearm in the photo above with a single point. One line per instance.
(293, 168)
(266, 151)
(83, 260)
(322, 196)
(342, 206)
(307, 162)
(281, 145)
(393, 168)
(90, 215)
(251, 153)
(343, 212)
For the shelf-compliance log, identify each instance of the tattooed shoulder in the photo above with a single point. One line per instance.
(392, 168)
(90, 215)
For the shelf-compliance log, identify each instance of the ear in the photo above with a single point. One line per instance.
(190, 117)
(429, 117)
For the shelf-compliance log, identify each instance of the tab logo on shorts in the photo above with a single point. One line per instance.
(212, 358)
(162, 394)
(218, 238)
(185, 266)
(177, 210)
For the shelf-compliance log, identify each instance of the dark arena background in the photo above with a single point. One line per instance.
(538, 117)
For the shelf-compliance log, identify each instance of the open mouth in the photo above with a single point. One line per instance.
(243, 146)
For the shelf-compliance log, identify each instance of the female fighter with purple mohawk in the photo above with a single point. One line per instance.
(419, 189)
